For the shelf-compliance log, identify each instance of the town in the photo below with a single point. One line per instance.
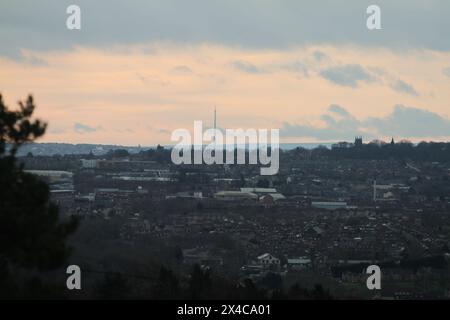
(326, 216)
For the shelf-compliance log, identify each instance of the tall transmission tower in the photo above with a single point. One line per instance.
(215, 117)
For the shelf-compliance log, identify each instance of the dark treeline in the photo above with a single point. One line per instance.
(376, 150)
(199, 284)
(424, 151)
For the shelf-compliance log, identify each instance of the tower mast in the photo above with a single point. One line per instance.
(215, 117)
(215, 123)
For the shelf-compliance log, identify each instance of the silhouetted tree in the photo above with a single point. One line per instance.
(249, 291)
(296, 292)
(272, 281)
(319, 293)
(31, 233)
(167, 285)
(178, 254)
(113, 286)
(199, 283)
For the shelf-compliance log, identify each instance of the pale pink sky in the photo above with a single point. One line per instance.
(138, 94)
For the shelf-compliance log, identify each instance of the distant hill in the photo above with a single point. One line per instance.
(49, 149)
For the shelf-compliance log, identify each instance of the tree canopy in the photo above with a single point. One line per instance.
(32, 235)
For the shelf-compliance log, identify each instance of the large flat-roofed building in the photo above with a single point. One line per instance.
(329, 205)
(235, 195)
(259, 190)
(51, 173)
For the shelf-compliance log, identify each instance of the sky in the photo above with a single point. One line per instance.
(137, 70)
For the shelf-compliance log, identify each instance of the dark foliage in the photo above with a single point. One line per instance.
(424, 151)
(32, 237)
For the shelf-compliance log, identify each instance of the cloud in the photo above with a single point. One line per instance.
(411, 122)
(299, 67)
(152, 79)
(246, 67)
(446, 72)
(349, 75)
(338, 110)
(307, 65)
(28, 58)
(83, 128)
(320, 56)
(34, 61)
(265, 24)
(403, 87)
(405, 122)
(335, 128)
(182, 70)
